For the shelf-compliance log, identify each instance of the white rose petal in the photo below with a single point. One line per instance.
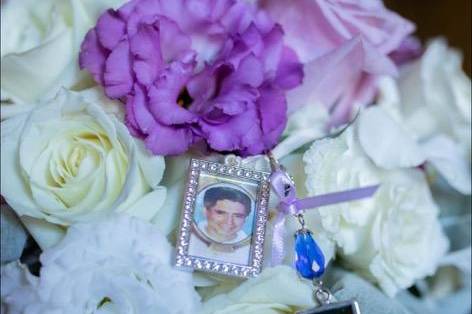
(121, 265)
(152, 166)
(69, 160)
(461, 259)
(46, 234)
(145, 207)
(303, 126)
(379, 134)
(446, 157)
(437, 86)
(393, 238)
(40, 47)
(430, 100)
(166, 220)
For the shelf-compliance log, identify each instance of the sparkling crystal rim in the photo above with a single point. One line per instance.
(254, 266)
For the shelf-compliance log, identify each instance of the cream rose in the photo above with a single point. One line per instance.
(425, 116)
(275, 290)
(435, 94)
(393, 238)
(118, 265)
(69, 160)
(40, 46)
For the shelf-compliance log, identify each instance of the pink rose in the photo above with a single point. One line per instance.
(344, 45)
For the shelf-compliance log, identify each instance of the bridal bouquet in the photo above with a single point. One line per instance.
(104, 103)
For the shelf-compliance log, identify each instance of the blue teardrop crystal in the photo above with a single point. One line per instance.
(310, 261)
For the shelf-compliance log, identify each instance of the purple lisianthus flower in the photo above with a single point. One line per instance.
(193, 70)
(349, 40)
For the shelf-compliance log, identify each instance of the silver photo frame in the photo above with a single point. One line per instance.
(219, 233)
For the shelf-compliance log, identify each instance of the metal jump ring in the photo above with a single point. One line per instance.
(322, 296)
(301, 220)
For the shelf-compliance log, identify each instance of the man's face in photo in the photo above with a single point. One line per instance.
(225, 219)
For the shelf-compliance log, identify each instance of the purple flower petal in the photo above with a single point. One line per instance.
(193, 70)
(110, 29)
(235, 101)
(130, 120)
(165, 140)
(174, 42)
(289, 71)
(118, 77)
(272, 108)
(202, 86)
(238, 17)
(239, 88)
(145, 47)
(273, 49)
(93, 56)
(239, 133)
(163, 96)
(138, 103)
(250, 71)
(172, 9)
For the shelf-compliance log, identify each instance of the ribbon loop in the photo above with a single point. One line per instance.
(290, 208)
(284, 187)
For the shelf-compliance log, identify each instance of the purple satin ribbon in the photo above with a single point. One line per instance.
(285, 189)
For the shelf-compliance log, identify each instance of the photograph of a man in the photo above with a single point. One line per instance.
(226, 210)
(220, 233)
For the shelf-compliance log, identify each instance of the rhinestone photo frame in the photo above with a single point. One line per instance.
(184, 259)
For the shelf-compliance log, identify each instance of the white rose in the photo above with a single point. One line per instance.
(275, 290)
(436, 94)
(303, 126)
(393, 238)
(119, 265)
(69, 160)
(40, 46)
(426, 116)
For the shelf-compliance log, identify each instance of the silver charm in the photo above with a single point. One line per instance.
(222, 229)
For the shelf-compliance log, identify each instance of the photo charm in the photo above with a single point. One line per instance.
(223, 219)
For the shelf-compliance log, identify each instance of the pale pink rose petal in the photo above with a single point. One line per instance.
(314, 27)
(338, 78)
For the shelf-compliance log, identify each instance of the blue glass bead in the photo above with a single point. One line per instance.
(310, 261)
